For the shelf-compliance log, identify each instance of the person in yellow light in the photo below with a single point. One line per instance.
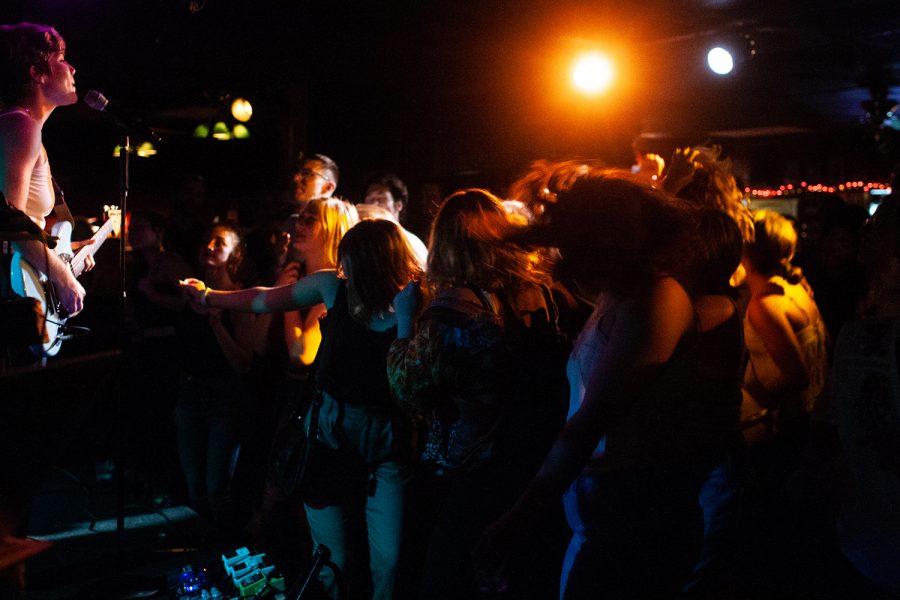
(317, 232)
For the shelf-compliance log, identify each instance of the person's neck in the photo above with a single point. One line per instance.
(37, 107)
(218, 278)
(756, 281)
(316, 262)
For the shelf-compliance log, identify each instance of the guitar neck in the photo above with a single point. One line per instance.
(80, 257)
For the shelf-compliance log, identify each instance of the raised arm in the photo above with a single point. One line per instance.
(413, 358)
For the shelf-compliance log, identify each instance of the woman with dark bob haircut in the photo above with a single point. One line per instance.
(628, 458)
(357, 416)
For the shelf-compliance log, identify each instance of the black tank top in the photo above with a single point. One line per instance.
(716, 406)
(353, 358)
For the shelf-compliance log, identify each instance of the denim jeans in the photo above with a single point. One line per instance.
(369, 436)
(205, 416)
(636, 532)
(720, 499)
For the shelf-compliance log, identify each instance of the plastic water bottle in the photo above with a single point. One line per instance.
(189, 582)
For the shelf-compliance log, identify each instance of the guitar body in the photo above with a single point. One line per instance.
(28, 280)
(32, 283)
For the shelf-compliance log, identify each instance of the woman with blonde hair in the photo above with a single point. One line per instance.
(286, 346)
(318, 231)
(783, 330)
(786, 341)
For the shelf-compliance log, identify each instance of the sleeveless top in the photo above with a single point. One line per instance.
(41, 198)
(198, 350)
(588, 345)
(762, 367)
(656, 426)
(352, 358)
(716, 408)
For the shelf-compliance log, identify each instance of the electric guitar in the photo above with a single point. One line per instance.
(29, 281)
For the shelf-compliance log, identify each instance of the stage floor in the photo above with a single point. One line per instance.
(76, 512)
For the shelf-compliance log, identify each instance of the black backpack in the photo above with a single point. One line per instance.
(531, 362)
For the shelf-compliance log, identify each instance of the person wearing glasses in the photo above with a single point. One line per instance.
(316, 177)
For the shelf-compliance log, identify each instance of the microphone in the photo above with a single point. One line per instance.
(96, 100)
(100, 103)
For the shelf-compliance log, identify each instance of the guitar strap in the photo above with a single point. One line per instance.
(60, 208)
(14, 224)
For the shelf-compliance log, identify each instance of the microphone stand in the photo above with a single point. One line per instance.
(119, 459)
(321, 559)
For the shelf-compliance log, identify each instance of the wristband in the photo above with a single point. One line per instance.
(203, 297)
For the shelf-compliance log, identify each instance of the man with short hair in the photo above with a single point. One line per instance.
(388, 191)
(316, 177)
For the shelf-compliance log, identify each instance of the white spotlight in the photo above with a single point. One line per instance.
(593, 73)
(720, 61)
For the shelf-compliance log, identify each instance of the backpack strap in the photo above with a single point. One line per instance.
(550, 326)
(458, 311)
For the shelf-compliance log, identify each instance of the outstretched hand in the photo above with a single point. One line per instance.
(194, 290)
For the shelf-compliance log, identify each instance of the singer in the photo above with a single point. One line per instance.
(34, 79)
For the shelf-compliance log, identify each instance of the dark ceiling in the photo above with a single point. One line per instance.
(436, 88)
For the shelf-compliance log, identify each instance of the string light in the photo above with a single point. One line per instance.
(871, 187)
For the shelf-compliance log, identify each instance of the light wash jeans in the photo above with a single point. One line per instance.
(368, 434)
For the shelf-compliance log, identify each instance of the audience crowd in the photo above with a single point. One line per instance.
(610, 383)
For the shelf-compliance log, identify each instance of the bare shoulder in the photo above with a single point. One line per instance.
(713, 310)
(20, 143)
(19, 128)
(669, 315)
(770, 312)
(669, 286)
(671, 300)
